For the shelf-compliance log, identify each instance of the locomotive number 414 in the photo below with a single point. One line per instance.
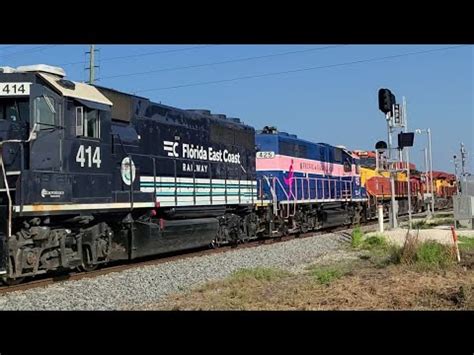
(92, 159)
(14, 89)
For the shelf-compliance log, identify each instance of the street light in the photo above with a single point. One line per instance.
(428, 131)
(455, 161)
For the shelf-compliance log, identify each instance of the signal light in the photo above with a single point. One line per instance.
(405, 140)
(381, 145)
(386, 100)
(397, 116)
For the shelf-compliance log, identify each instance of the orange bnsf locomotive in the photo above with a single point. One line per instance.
(377, 185)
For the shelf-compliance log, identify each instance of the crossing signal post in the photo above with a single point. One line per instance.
(395, 116)
(386, 104)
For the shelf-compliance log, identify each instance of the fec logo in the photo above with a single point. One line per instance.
(127, 171)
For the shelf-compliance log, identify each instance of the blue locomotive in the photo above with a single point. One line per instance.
(310, 185)
(91, 175)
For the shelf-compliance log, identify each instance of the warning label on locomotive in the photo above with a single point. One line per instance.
(52, 194)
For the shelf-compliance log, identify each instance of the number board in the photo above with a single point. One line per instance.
(266, 155)
(14, 89)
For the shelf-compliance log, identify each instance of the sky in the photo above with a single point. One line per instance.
(322, 93)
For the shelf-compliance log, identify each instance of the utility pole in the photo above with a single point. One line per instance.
(463, 160)
(92, 65)
(430, 167)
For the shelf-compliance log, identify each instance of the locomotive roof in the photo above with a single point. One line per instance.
(80, 90)
(191, 113)
(296, 138)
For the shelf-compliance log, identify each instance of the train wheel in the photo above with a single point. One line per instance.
(13, 282)
(87, 261)
(9, 281)
(214, 244)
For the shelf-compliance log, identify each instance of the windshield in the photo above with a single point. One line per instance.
(14, 110)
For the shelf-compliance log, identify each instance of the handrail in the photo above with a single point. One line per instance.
(5, 180)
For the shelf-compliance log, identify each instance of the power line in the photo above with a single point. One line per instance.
(143, 54)
(301, 70)
(221, 62)
(29, 50)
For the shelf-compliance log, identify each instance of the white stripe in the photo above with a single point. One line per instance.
(198, 190)
(13, 173)
(197, 180)
(3, 272)
(83, 206)
(285, 202)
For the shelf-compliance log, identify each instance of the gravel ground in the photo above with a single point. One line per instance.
(148, 284)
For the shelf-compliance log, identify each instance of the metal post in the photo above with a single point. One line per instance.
(407, 158)
(380, 216)
(431, 172)
(392, 178)
(392, 187)
(427, 177)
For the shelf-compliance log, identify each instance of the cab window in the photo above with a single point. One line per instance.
(13, 110)
(347, 166)
(45, 113)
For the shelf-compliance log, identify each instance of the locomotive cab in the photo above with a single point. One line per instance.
(54, 137)
(53, 142)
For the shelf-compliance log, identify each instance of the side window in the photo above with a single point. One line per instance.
(322, 153)
(79, 121)
(45, 113)
(87, 122)
(347, 166)
(337, 155)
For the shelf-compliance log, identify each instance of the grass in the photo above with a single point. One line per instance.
(426, 224)
(357, 236)
(364, 287)
(326, 275)
(426, 255)
(466, 243)
(421, 225)
(258, 273)
(431, 254)
(375, 243)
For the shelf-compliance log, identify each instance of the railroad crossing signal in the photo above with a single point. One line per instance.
(386, 100)
(397, 116)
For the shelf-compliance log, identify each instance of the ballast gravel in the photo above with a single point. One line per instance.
(149, 284)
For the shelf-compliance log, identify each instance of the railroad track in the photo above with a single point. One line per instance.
(43, 281)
